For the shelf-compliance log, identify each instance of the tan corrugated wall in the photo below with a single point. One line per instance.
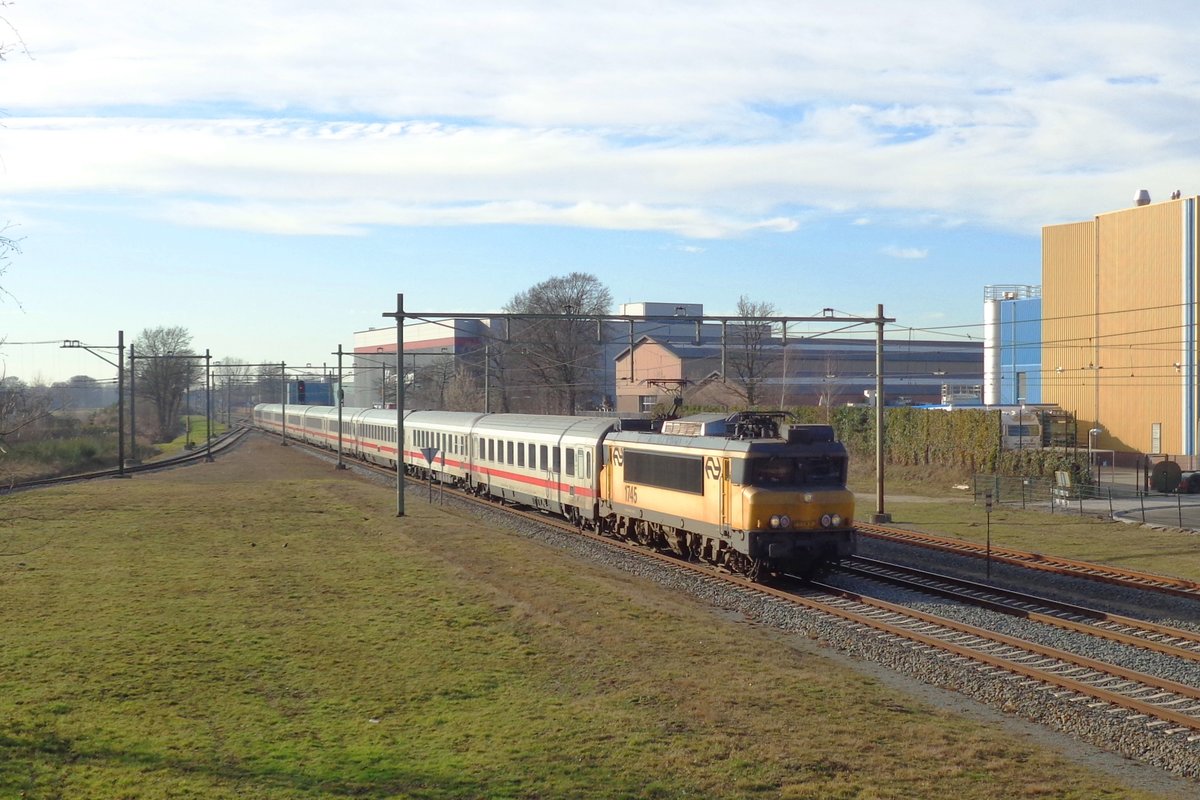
(1068, 304)
(1113, 309)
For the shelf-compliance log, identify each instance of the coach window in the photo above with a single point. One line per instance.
(589, 465)
(508, 453)
(570, 461)
(532, 456)
(557, 460)
(520, 454)
(544, 464)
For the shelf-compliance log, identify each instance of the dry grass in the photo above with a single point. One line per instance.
(264, 627)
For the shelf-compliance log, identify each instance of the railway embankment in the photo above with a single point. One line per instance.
(265, 626)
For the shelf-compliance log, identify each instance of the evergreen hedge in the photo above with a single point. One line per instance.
(967, 439)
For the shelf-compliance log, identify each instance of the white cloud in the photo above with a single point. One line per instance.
(908, 253)
(704, 122)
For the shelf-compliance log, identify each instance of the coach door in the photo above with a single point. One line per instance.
(726, 491)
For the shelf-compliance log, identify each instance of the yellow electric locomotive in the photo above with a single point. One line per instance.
(744, 491)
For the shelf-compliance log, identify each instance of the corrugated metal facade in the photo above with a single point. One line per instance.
(1118, 338)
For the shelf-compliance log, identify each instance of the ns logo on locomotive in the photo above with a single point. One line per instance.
(745, 491)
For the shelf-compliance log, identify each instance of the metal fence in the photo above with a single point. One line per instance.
(1122, 501)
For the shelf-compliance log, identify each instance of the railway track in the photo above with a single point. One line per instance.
(1060, 566)
(1152, 704)
(1171, 641)
(1163, 705)
(219, 445)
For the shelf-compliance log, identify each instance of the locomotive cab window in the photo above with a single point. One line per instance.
(781, 471)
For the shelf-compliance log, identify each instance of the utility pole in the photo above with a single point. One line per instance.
(120, 365)
(880, 516)
(827, 317)
(338, 400)
(208, 456)
(133, 455)
(399, 316)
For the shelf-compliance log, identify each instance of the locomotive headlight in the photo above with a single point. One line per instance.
(837, 520)
(785, 521)
(826, 520)
(775, 520)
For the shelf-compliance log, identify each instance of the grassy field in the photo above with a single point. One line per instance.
(1088, 537)
(265, 627)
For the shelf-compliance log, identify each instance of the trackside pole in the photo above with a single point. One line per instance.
(880, 516)
(399, 315)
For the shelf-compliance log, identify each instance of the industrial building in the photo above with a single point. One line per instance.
(428, 346)
(1012, 345)
(815, 371)
(665, 353)
(1119, 331)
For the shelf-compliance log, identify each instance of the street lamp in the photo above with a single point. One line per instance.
(1092, 434)
(382, 379)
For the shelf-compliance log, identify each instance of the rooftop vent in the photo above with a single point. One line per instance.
(1143, 197)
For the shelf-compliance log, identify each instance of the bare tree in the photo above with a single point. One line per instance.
(233, 382)
(10, 39)
(562, 356)
(750, 336)
(165, 368)
(463, 392)
(20, 407)
(268, 387)
(9, 247)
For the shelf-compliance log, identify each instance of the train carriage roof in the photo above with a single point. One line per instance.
(459, 420)
(703, 444)
(591, 428)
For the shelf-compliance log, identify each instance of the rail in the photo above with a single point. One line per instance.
(220, 443)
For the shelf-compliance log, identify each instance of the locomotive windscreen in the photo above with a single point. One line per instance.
(682, 473)
(791, 471)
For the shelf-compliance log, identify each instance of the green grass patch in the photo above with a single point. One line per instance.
(1064, 533)
(195, 436)
(253, 628)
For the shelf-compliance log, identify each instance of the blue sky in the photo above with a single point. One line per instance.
(269, 175)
